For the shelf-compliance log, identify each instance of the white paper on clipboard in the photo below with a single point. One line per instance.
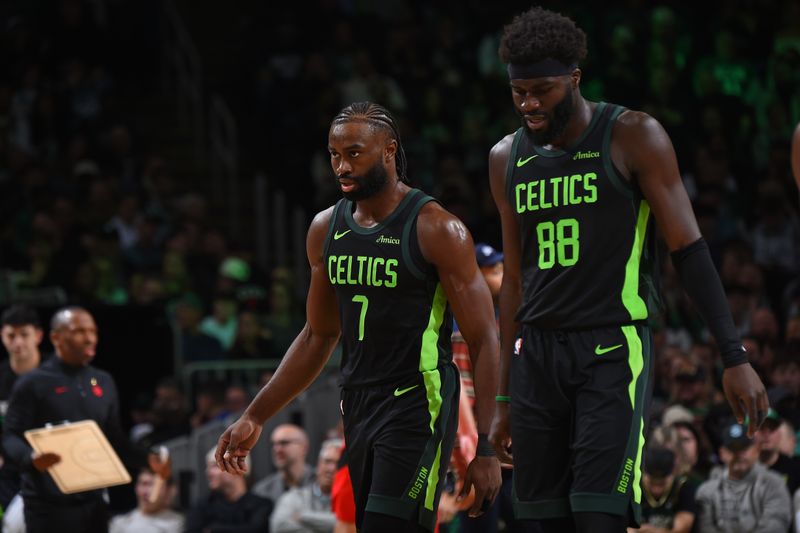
(88, 461)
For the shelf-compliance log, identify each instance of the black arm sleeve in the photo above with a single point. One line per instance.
(701, 281)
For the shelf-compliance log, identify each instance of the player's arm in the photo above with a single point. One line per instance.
(302, 363)
(796, 155)
(510, 290)
(447, 244)
(644, 149)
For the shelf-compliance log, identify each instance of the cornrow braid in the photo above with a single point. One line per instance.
(377, 115)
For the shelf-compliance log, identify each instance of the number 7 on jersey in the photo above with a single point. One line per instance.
(361, 299)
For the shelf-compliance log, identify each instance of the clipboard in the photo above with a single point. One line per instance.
(88, 462)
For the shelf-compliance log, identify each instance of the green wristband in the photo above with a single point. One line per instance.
(506, 399)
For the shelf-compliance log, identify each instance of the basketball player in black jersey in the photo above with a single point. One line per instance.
(387, 265)
(578, 187)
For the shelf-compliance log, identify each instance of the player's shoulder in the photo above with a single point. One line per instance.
(640, 136)
(433, 213)
(502, 148)
(323, 218)
(321, 222)
(632, 122)
(435, 224)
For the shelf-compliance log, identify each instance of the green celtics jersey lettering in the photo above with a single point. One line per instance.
(395, 318)
(586, 233)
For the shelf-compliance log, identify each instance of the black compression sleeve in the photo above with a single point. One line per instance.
(701, 281)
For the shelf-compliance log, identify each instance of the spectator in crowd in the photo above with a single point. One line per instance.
(692, 387)
(251, 341)
(195, 345)
(289, 451)
(682, 432)
(230, 506)
(209, 403)
(237, 398)
(68, 388)
(788, 440)
(668, 500)
(168, 415)
(308, 509)
(743, 496)
(769, 443)
(21, 334)
(153, 512)
(222, 323)
(281, 325)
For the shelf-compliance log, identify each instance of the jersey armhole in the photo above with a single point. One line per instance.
(409, 231)
(331, 226)
(614, 175)
(510, 164)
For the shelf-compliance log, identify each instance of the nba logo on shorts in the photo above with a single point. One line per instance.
(518, 346)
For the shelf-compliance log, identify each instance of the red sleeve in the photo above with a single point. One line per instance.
(343, 503)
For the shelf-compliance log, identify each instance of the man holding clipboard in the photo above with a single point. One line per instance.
(65, 388)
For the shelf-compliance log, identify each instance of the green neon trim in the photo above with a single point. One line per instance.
(433, 389)
(428, 363)
(630, 288)
(506, 399)
(636, 363)
(429, 356)
(433, 479)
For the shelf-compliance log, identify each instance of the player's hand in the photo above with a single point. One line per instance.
(235, 443)
(43, 461)
(483, 473)
(500, 434)
(746, 395)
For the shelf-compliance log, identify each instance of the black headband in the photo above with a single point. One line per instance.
(541, 69)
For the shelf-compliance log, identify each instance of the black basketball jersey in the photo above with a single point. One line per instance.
(586, 233)
(395, 318)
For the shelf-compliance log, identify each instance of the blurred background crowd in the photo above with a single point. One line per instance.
(160, 161)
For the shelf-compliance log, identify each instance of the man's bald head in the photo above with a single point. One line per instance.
(63, 317)
(73, 333)
(289, 446)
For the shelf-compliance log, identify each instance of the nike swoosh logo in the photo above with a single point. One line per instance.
(522, 162)
(400, 392)
(338, 235)
(600, 350)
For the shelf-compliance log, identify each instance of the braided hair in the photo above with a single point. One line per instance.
(379, 116)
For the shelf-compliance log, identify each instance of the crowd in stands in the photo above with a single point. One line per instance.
(88, 205)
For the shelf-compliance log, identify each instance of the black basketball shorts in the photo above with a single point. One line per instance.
(399, 439)
(579, 405)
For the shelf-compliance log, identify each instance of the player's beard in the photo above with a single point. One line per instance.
(557, 121)
(371, 183)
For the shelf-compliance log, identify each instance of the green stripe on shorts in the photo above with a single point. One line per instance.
(629, 478)
(630, 287)
(428, 361)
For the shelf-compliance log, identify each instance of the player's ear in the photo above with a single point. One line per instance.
(575, 78)
(390, 150)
